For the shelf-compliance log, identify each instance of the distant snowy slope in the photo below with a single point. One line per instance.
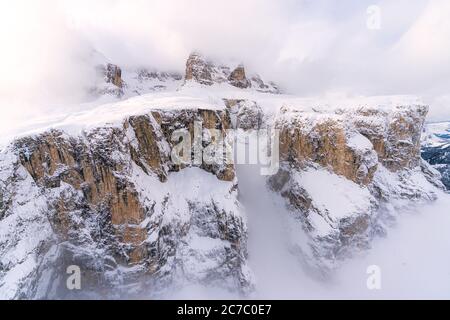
(436, 148)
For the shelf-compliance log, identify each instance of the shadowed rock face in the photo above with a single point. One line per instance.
(439, 158)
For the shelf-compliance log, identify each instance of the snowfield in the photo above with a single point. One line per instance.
(107, 110)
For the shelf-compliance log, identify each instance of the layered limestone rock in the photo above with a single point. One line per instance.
(339, 170)
(112, 202)
(327, 141)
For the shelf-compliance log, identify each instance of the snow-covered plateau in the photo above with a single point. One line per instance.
(98, 188)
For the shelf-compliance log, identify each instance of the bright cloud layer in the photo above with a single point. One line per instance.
(309, 47)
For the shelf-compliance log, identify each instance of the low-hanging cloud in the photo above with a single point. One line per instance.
(309, 47)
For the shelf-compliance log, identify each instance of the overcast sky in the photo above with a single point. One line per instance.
(311, 47)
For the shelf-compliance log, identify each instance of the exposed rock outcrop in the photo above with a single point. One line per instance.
(111, 82)
(115, 193)
(244, 114)
(113, 74)
(205, 72)
(359, 159)
(327, 141)
(238, 78)
(396, 135)
(200, 70)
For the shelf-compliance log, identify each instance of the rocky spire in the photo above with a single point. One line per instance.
(199, 69)
(238, 78)
(113, 74)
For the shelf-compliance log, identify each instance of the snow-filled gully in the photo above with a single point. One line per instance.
(275, 268)
(413, 257)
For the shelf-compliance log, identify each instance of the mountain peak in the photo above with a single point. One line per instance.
(202, 70)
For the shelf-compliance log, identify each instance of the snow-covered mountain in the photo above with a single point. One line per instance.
(125, 83)
(436, 148)
(99, 189)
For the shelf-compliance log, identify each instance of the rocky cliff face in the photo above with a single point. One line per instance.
(112, 203)
(113, 74)
(361, 160)
(111, 82)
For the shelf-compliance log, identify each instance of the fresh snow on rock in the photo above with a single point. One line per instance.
(333, 194)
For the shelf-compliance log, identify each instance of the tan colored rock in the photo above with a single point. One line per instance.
(199, 70)
(325, 142)
(395, 134)
(325, 139)
(53, 161)
(149, 155)
(357, 144)
(210, 119)
(87, 166)
(238, 78)
(113, 74)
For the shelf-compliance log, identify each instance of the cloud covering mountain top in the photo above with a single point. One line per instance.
(308, 47)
